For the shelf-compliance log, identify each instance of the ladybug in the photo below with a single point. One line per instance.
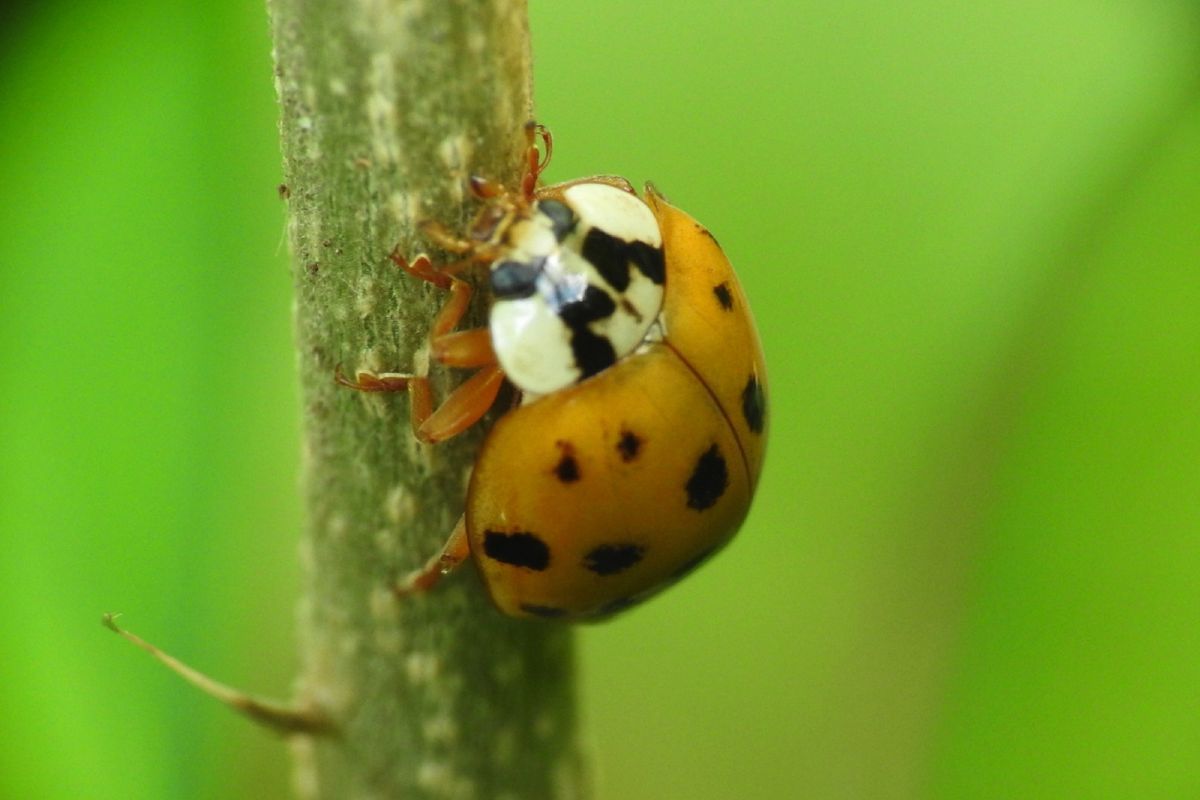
(638, 440)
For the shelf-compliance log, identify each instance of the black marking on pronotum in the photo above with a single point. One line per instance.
(649, 260)
(609, 559)
(520, 549)
(629, 309)
(721, 290)
(562, 218)
(567, 469)
(546, 612)
(612, 257)
(513, 280)
(629, 446)
(593, 353)
(754, 404)
(594, 305)
(709, 480)
(608, 255)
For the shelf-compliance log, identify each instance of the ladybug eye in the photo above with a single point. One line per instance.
(562, 218)
(513, 280)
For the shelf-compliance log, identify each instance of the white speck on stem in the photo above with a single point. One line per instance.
(421, 360)
(440, 729)
(387, 543)
(405, 208)
(381, 109)
(421, 668)
(305, 780)
(383, 604)
(364, 296)
(337, 526)
(455, 153)
(439, 778)
(399, 504)
(350, 643)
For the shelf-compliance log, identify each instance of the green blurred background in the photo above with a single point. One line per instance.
(971, 232)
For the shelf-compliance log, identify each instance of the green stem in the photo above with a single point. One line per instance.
(387, 107)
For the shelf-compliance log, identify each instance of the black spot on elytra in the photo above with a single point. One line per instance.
(562, 218)
(629, 445)
(593, 353)
(721, 290)
(520, 549)
(546, 612)
(709, 480)
(612, 258)
(754, 404)
(567, 469)
(609, 559)
(512, 280)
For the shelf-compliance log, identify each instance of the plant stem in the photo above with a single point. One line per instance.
(387, 107)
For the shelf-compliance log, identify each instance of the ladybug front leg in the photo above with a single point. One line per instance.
(455, 551)
(536, 162)
(417, 386)
(470, 348)
(460, 410)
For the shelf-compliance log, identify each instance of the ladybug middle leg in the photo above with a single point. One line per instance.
(470, 349)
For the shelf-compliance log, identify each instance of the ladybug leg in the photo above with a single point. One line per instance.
(484, 188)
(419, 396)
(453, 553)
(464, 407)
(470, 349)
(459, 411)
(472, 250)
(537, 161)
(420, 267)
(417, 386)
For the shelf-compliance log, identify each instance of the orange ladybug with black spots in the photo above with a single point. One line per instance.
(639, 439)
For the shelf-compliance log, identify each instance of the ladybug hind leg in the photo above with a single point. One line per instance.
(454, 552)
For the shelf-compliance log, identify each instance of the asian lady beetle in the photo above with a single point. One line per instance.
(639, 438)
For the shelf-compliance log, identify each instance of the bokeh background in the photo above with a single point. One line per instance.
(971, 233)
